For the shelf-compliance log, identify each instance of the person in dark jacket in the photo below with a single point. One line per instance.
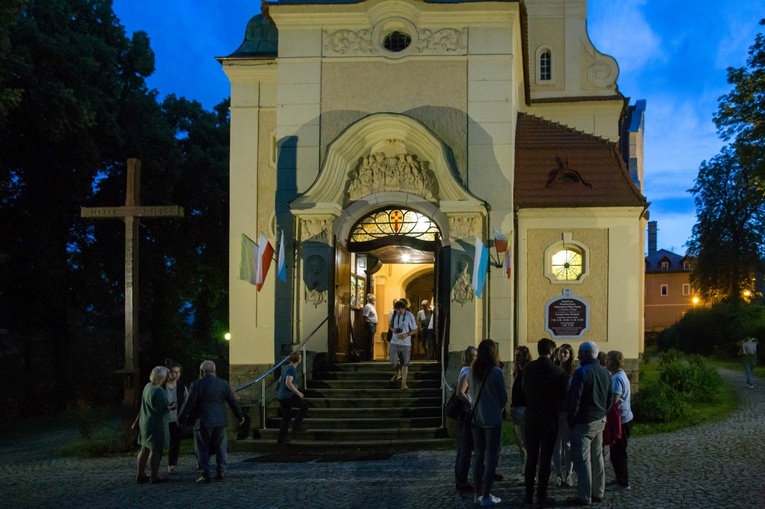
(589, 399)
(206, 405)
(176, 394)
(544, 385)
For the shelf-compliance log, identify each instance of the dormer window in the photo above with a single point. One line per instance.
(686, 265)
(665, 265)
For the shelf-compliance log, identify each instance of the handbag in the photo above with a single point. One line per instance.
(454, 408)
(389, 335)
(613, 430)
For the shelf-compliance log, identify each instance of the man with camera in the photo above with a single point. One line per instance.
(206, 409)
(404, 327)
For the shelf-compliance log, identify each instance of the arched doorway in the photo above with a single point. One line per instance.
(392, 252)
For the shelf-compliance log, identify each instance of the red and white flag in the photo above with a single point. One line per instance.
(503, 245)
(265, 255)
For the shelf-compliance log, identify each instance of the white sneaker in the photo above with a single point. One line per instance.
(489, 502)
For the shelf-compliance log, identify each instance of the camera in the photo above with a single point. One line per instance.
(399, 330)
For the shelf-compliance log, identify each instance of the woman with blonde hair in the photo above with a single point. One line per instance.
(488, 395)
(562, 462)
(465, 433)
(154, 433)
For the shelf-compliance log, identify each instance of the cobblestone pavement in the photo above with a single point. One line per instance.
(716, 465)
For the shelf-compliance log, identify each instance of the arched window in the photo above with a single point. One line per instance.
(545, 66)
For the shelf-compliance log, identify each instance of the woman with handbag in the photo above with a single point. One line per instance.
(562, 462)
(620, 386)
(465, 433)
(489, 396)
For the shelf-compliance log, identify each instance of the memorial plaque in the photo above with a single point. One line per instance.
(567, 316)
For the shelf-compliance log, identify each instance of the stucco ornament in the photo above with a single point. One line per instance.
(461, 227)
(317, 229)
(462, 291)
(401, 172)
(444, 41)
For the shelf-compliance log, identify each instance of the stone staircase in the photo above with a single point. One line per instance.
(356, 408)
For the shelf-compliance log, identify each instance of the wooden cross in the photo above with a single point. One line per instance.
(131, 212)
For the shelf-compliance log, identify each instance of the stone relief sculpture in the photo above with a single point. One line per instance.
(445, 41)
(462, 291)
(315, 277)
(463, 227)
(317, 229)
(403, 172)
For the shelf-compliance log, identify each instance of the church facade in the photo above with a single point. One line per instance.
(386, 139)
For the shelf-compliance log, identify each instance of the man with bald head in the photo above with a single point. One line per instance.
(589, 399)
(205, 408)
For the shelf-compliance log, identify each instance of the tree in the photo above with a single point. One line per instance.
(741, 113)
(726, 240)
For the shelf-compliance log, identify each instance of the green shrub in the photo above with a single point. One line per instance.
(87, 419)
(102, 442)
(690, 375)
(657, 402)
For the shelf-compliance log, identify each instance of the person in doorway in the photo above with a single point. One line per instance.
(488, 394)
(369, 315)
(289, 397)
(176, 394)
(544, 385)
(404, 327)
(206, 409)
(748, 353)
(154, 434)
(589, 399)
(424, 316)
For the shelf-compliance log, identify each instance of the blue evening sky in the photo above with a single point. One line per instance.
(673, 53)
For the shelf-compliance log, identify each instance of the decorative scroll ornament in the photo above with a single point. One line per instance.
(463, 227)
(601, 75)
(349, 43)
(315, 297)
(402, 172)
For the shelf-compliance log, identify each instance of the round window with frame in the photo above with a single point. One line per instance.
(567, 264)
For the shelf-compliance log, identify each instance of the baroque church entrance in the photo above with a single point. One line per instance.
(393, 253)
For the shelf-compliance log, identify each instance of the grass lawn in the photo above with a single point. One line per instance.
(737, 365)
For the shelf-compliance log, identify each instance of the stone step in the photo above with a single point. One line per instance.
(413, 401)
(414, 366)
(375, 413)
(357, 435)
(365, 423)
(299, 446)
(378, 375)
(414, 392)
(350, 384)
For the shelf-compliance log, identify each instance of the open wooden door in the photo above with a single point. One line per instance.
(339, 343)
(441, 293)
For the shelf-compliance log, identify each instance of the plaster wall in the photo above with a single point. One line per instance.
(613, 289)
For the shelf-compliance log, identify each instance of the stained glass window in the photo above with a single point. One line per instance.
(394, 222)
(567, 265)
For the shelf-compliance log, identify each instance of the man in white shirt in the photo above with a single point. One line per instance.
(369, 314)
(404, 327)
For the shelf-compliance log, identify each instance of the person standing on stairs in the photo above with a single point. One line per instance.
(404, 327)
(289, 396)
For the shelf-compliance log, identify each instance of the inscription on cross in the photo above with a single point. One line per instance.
(131, 213)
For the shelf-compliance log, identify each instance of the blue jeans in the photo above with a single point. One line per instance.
(487, 442)
(464, 452)
(749, 368)
(587, 453)
(562, 452)
(209, 441)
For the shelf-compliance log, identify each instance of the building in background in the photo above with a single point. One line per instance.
(668, 290)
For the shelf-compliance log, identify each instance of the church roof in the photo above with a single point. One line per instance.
(557, 166)
(261, 39)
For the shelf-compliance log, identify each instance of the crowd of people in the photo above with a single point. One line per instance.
(559, 410)
(166, 405)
